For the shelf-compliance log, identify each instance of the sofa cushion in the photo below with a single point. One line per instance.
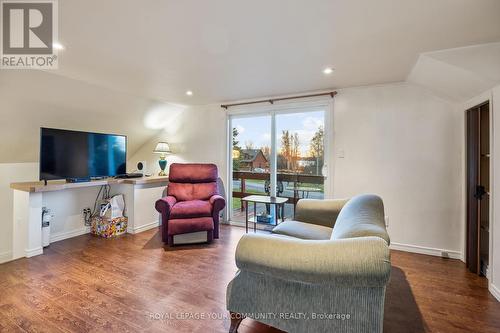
(193, 208)
(361, 216)
(321, 212)
(302, 230)
(183, 226)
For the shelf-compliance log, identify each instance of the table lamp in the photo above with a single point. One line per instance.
(163, 149)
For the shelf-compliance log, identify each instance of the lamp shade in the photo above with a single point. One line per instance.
(162, 148)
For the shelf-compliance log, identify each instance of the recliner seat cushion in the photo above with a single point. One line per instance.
(183, 226)
(189, 209)
(303, 230)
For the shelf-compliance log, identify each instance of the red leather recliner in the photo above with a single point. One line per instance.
(192, 203)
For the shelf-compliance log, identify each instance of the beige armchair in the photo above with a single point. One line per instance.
(325, 272)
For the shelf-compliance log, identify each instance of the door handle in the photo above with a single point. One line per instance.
(480, 192)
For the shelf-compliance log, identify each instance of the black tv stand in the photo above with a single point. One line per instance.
(77, 180)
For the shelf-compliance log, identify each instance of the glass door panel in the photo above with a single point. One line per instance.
(300, 159)
(251, 149)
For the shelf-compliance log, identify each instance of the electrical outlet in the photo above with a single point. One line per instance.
(445, 254)
(387, 221)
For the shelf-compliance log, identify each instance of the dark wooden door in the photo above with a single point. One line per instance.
(472, 185)
(478, 196)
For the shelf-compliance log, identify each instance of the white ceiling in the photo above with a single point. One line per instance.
(233, 49)
(123, 58)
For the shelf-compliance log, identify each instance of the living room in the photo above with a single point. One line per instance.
(264, 166)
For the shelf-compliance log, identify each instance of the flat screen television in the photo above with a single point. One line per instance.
(80, 156)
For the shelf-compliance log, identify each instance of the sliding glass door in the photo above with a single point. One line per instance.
(277, 153)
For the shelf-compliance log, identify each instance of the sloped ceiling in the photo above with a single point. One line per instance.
(33, 99)
(459, 74)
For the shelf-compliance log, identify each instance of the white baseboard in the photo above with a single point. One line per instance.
(494, 291)
(427, 250)
(5, 256)
(68, 234)
(33, 252)
(145, 227)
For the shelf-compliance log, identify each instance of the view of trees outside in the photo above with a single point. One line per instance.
(301, 142)
(300, 151)
(236, 150)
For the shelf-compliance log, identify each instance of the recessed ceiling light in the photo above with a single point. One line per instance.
(328, 70)
(57, 46)
(189, 93)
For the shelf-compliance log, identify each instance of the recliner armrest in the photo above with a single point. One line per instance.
(218, 203)
(363, 261)
(165, 204)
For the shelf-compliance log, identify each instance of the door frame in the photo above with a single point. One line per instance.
(272, 111)
(486, 97)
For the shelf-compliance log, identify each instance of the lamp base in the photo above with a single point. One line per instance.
(163, 164)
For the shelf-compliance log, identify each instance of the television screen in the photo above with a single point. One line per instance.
(72, 154)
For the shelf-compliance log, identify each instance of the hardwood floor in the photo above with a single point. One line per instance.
(133, 283)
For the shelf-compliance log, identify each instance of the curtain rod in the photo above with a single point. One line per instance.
(272, 100)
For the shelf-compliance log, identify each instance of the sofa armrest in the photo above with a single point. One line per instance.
(165, 204)
(321, 212)
(218, 203)
(362, 261)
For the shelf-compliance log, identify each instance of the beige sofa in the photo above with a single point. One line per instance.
(324, 272)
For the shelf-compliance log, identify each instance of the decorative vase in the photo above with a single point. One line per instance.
(163, 164)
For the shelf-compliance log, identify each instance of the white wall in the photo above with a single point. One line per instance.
(9, 173)
(405, 145)
(197, 134)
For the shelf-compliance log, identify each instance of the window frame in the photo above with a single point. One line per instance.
(273, 110)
